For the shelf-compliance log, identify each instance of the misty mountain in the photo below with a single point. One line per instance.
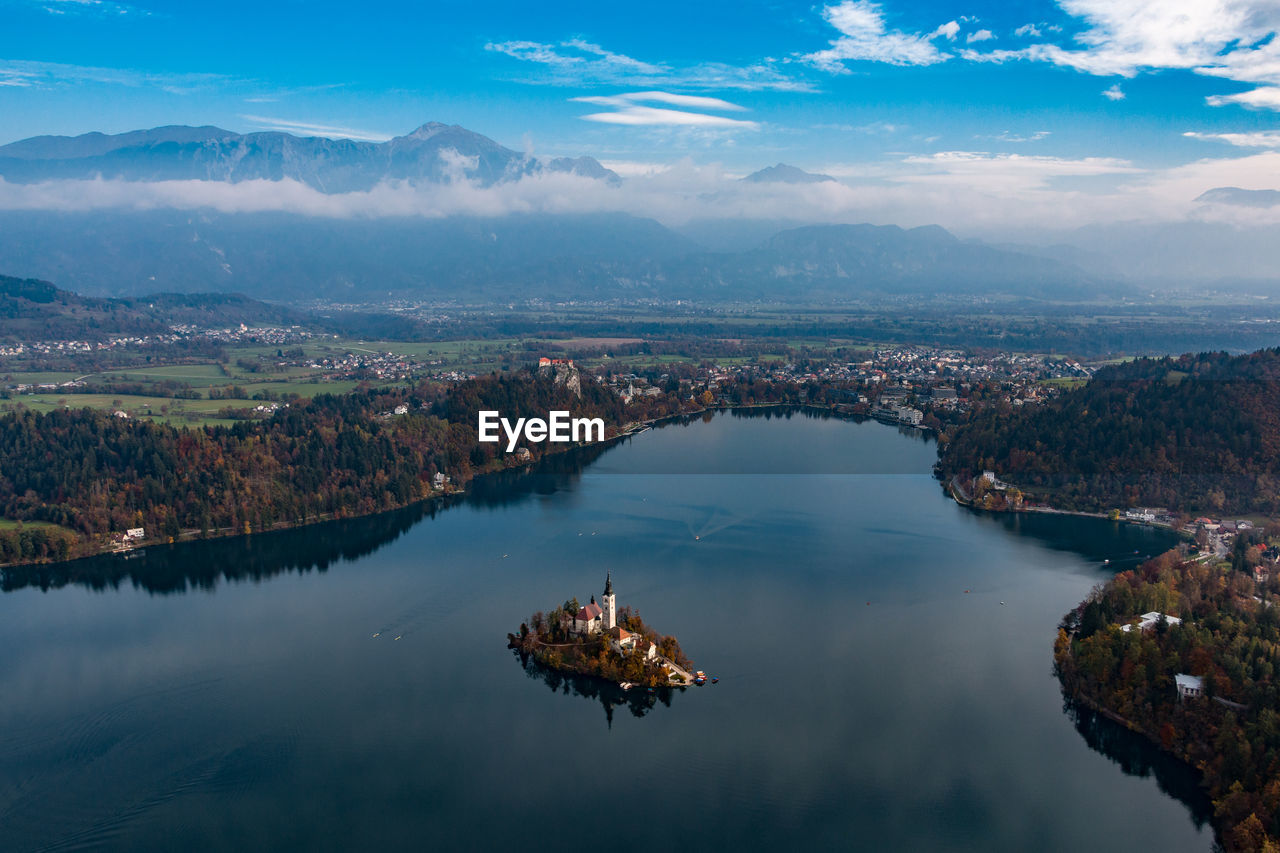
(838, 262)
(32, 309)
(784, 174)
(1240, 197)
(1195, 255)
(434, 153)
(288, 257)
(297, 258)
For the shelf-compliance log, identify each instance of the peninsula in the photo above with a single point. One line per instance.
(1185, 652)
(604, 641)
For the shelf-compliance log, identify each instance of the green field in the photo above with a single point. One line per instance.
(10, 524)
(172, 410)
(39, 377)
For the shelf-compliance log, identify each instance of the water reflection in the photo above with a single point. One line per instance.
(639, 701)
(1138, 756)
(202, 565)
(191, 566)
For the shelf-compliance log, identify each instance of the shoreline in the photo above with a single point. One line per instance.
(956, 493)
(630, 429)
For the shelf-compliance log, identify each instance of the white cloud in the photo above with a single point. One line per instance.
(865, 37)
(52, 74)
(96, 7)
(628, 110)
(1232, 39)
(310, 129)
(1253, 139)
(950, 29)
(1008, 173)
(980, 35)
(1007, 136)
(1036, 30)
(693, 101)
(638, 115)
(1126, 36)
(577, 62)
(635, 168)
(964, 190)
(1114, 93)
(1264, 97)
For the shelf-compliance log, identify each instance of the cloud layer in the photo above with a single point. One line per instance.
(967, 191)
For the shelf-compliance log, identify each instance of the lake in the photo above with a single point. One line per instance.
(884, 659)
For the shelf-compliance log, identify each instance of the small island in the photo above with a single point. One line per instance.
(603, 641)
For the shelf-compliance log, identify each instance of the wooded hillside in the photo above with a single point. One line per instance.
(1199, 433)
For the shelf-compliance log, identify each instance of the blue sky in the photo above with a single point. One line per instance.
(1068, 92)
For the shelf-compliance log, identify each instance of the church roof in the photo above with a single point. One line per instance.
(608, 583)
(591, 611)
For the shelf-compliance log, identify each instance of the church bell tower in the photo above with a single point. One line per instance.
(609, 603)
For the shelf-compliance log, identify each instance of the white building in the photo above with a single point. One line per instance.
(908, 415)
(1140, 514)
(1149, 620)
(594, 618)
(1189, 686)
(624, 640)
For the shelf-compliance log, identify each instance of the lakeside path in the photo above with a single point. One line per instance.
(960, 496)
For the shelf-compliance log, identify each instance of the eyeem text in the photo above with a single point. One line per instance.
(558, 427)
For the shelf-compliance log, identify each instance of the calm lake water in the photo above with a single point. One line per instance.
(884, 658)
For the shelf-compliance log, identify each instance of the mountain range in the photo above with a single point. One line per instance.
(784, 174)
(290, 257)
(435, 152)
(293, 258)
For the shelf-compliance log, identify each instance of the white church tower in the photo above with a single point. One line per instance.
(610, 604)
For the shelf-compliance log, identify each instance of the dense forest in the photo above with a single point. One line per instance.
(1230, 637)
(94, 475)
(1199, 433)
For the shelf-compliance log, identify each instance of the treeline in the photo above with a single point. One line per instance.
(331, 456)
(1230, 637)
(35, 543)
(1199, 433)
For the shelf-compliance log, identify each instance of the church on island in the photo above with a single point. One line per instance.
(603, 618)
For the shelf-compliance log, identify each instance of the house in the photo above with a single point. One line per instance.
(1148, 621)
(990, 478)
(1140, 514)
(439, 480)
(135, 533)
(629, 641)
(1261, 574)
(523, 454)
(402, 409)
(1189, 686)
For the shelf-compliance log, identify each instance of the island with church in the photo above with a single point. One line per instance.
(603, 640)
